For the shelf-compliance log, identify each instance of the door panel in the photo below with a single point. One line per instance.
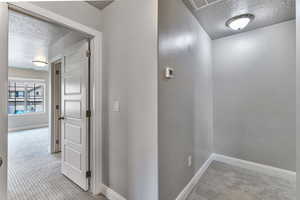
(74, 79)
(73, 158)
(73, 133)
(72, 85)
(3, 97)
(73, 109)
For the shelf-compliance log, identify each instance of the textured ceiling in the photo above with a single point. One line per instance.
(212, 16)
(29, 39)
(100, 4)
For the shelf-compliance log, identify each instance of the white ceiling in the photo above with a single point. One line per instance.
(212, 14)
(29, 39)
(101, 4)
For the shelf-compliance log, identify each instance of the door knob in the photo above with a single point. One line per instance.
(1, 161)
(61, 118)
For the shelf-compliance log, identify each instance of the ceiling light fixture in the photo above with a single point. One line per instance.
(239, 22)
(40, 63)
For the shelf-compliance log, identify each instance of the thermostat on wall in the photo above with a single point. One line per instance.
(169, 73)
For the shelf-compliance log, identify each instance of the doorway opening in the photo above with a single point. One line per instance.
(49, 110)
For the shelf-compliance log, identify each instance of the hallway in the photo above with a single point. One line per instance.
(34, 174)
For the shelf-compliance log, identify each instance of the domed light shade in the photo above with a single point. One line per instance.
(239, 22)
(40, 63)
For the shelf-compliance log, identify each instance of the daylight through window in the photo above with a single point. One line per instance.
(26, 96)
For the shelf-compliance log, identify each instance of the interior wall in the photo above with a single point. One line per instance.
(130, 78)
(78, 11)
(28, 121)
(254, 95)
(185, 102)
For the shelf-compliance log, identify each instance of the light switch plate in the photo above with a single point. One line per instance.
(116, 106)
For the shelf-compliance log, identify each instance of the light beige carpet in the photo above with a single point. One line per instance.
(226, 182)
(34, 174)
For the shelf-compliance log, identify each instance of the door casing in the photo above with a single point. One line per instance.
(97, 186)
(3, 97)
(55, 106)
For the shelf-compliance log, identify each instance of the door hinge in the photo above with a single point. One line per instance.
(57, 107)
(88, 53)
(88, 113)
(57, 141)
(57, 72)
(88, 174)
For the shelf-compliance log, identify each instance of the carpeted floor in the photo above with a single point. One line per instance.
(225, 182)
(34, 174)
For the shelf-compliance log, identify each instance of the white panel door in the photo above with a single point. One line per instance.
(3, 98)
(74, 123)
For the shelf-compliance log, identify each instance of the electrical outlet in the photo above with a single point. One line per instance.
(169, 73)
(190, 160)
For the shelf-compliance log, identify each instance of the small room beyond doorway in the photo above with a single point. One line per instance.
(36, 56)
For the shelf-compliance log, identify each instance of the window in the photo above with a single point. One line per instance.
(26, 96)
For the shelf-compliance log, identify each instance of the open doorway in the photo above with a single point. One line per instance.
(49, 110)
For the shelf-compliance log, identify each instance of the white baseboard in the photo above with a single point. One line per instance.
(27, 127)
(188, 189)
(265, 169)
(111, 194)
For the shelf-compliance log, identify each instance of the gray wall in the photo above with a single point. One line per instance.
(254, 95)
(130, 77)
(185, 102)
(29, 121)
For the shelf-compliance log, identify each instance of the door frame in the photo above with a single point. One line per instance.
(96, 185)
(3, 98)
(54, 101)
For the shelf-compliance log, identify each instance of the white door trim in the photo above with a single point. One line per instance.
(3, 97)
(96, 83)
(55, 95)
